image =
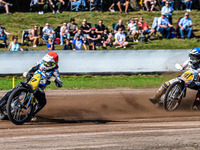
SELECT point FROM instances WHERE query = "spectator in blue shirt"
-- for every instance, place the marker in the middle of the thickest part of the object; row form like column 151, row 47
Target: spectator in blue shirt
column 185, row 25
column 167, row 10
column 50, row 45
column 78, row 43
column 171, row 2
column 164, row 27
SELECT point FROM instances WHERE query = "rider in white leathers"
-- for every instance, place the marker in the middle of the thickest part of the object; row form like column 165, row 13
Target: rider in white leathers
column 192, row 62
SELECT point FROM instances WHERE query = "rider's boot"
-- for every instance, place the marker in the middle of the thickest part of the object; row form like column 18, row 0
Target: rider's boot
column 196, row 102
column 155, row 99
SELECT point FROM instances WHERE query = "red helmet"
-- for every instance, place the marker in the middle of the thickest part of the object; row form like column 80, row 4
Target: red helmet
column 50, row 60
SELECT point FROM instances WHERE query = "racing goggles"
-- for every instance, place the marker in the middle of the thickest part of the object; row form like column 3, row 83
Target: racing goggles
column 49, row 64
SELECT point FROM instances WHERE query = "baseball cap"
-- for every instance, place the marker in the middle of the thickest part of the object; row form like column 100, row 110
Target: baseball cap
column 92, row 29
column 186, row 14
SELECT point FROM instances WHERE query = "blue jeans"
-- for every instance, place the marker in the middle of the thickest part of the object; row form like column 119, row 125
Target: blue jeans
column 77, row 4
column 166, row 32
column 83, row 2
column 147, row 31
column 188, row 30
column 45, row 37
column 64, row 37
column 3, row 38
column 189, row 4
column 171, row 4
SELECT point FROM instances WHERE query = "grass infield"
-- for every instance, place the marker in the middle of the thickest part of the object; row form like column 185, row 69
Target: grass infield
column 100, row 82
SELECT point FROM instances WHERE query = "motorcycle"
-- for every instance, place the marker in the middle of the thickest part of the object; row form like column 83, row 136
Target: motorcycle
column 21, row 102
column 177, row 90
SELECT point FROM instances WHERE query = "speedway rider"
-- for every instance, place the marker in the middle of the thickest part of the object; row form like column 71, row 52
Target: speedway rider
column 49, row 66
column 192, row 62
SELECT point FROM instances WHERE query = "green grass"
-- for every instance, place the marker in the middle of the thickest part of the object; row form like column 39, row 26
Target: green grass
column 17, row 22
column 100, row 82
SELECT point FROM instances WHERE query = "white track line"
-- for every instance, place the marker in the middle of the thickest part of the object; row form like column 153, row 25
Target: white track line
column 98, row 133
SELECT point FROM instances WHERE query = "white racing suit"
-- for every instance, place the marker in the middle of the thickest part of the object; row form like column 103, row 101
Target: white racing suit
column 52, row 75
column 186, row 65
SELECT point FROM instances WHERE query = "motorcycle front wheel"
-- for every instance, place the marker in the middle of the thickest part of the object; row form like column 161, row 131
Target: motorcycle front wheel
column 173, row 96
column 19, row 111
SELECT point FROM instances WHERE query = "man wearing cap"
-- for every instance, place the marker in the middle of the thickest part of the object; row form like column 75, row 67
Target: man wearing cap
column 93, row 38
column 185, row 25
column 73, row 27
column 3, row 34
column 78, row 43
column 164, row 27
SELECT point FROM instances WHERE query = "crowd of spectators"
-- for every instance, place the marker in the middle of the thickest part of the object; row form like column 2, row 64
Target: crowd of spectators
column 76, row 37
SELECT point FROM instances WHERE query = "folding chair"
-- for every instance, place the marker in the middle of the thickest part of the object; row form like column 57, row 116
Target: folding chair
column 92, row 6
column 73, row 7
column 25, row 36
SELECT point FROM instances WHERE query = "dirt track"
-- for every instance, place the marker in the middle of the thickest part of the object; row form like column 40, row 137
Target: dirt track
column 105, row 119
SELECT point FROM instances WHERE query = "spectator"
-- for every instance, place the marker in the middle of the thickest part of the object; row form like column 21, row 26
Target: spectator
column 14, row 45
column 164, row 27
column 78, row 43
column 143, row 26
column 67, row 45
column 119, row 25
column 56, row 4
column 100, row 27
column 124, row 3
column 185, row 25
column 188, row 4
column 3, row 34
column 50, row 45
column 120, row 39
column 85, row 28
column 40, row 4
column 132, row 27
column 76, row 3
column 171, row 2
column 80, row 33
column 34, row 36
column 73, row 27
column 48, row 32
column 64, row 33
column 106, row 37
column 167, row 10
column 93, row 39
column 6, row 6
column 150, row 2
column 118, row 2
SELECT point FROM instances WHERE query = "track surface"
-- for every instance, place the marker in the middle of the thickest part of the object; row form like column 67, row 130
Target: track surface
column 105, row 119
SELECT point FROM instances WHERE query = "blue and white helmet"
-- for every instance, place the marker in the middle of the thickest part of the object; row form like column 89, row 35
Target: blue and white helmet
column 194, row 55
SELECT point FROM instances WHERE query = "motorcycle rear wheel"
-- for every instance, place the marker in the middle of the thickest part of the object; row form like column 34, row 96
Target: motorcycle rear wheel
column 17, row 112
column 173, row 96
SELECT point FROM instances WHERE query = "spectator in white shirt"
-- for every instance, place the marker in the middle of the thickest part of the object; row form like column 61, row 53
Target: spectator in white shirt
column 48, row 32
column 64, row 33
column 132, row 27
column 120, row 39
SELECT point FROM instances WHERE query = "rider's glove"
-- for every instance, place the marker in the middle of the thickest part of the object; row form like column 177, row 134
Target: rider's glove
column 179, row 67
